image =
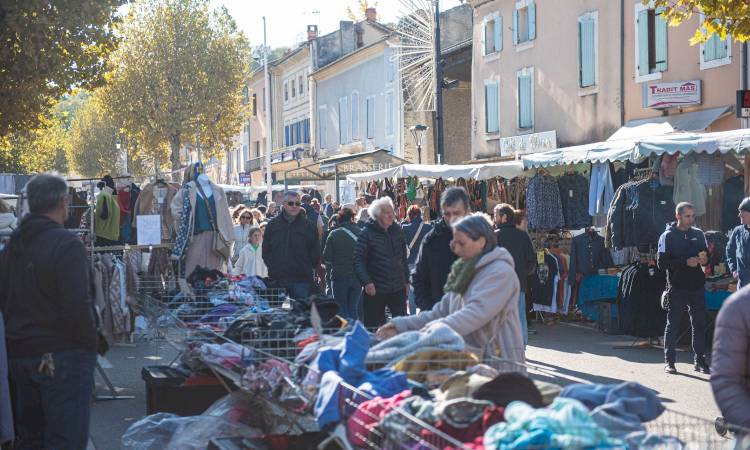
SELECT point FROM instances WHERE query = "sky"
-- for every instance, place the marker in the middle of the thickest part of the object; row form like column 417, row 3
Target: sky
column 287, row 20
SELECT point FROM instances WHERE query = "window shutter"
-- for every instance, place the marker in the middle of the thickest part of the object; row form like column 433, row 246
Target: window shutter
column 721, row 47
column 484, row 38
column 532, row 21
column 389, row 113
column 370, row 117
column 586, row 31
column 642, row 62
column 298, row 138
column 286, row 135
column 515, row 27
column 709, row 48
column 660, row 30
column 524, row 102
column 355, row 116
column 491, row 108
column 498, row 33
column 322, row 127
column 342, row 120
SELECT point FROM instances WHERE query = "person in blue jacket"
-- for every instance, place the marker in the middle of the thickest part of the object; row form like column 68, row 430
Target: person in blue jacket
column 738, row 247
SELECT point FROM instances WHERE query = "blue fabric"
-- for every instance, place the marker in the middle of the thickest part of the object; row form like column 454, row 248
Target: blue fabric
column 601, row 191
column 346, row 363
column 543, row 204
column 348, row 295
column 202, row 220
column 738, row 253
column 298, row 291
column 594, row 288
column 522, row 316
column 714, row 299
column 53, row 411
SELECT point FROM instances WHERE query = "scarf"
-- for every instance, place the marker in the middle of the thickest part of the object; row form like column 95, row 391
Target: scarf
column 183, row 228
column 461, row 274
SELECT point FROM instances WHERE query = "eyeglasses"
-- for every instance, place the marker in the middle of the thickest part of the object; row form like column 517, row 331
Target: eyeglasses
column 245, row 217
column 293, row 204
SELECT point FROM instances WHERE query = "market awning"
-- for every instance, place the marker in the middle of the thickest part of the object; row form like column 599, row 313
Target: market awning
column 607, row 151
column 722, row 142
column 344, row 165
column 697, row 121
column 505, row 169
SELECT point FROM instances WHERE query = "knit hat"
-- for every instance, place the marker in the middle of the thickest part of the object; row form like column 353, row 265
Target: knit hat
column 509, row 387
column 745, row 205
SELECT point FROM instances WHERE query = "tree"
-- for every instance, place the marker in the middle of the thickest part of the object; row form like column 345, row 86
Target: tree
column 47, row 48
column 91, row 144
column 178, row 75
column 361, row 10
column 721, row 17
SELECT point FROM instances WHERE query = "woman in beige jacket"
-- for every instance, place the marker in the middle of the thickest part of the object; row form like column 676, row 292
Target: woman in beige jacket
column 481, row 295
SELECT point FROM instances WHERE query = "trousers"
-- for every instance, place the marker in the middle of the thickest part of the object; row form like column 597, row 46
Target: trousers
column 347, row 293
column 52, row 411
column 522, row 316
column 374, row 307
column 298, row 291
column 695, row 303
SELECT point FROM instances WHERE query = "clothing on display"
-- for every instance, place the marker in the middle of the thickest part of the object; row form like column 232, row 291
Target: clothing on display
column 543, row 204
column 155, row 199
column 639, row 293
column 601, row 190
column 734, row 193
column 588, row 254
column 107, row 222
column 638, row 213
column 686, row 185
column 575, row 200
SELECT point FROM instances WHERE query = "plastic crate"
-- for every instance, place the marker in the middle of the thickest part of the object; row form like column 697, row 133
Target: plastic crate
column 166, row 392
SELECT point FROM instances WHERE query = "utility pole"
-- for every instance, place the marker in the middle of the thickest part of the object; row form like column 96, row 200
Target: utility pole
column 439, row 150
column 267, row 103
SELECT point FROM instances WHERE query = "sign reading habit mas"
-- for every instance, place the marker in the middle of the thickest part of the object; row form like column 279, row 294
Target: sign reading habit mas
column 670, row 95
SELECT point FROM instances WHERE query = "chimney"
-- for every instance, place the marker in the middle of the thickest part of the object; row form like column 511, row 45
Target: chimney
column 371, row 14
column 312, row 32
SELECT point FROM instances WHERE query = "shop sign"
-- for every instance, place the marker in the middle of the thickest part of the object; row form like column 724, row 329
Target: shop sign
column 669, row 95
column 524, row 144
column 245, row 178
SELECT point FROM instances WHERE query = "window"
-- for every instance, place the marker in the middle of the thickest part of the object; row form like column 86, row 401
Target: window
column 255, row 104
column 525, row 86
column 322, row 126
column 343, row 115
column 492, row 37
column 286, row 92
column 650, row 43
column 294, row 87
column 492, row 107
column 715, row 52
column 306, row 131
column 287, row 136
column 355, row 116
column 257, row 149
column 389, row 114
column 301, row 88
column 524, row 22
column 587, row 49
column 370, row 117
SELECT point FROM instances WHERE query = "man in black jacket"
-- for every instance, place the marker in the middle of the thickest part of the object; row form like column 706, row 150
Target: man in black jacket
column 50, row 322
column 518, row 243
column 435, row 255
column 682, row 251
column 291, row 248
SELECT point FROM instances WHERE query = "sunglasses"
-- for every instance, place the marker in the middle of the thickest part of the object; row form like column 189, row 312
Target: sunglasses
column 246, row 217
column 293, row 203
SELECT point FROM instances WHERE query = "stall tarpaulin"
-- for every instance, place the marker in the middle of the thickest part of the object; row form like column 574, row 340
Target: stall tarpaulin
column 737, row 141
column 607, row 151
column 505, row 169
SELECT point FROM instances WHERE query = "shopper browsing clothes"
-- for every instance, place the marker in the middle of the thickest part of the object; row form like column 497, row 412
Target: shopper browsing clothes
column 480, row 302
column 380, row 264
column 49, row 323
column 738, row 247
column 339, row 258
column 681, row 252
column 242, row 232
column 291, row 247
column 435, row 255
column 250, row 262
column 415, row 229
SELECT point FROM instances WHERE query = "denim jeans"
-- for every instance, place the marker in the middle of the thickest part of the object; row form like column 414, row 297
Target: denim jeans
column 52, row 412
column 522, row 316
column 297, row 291
column 695, row 303
column 412, row 303
column 347, row 293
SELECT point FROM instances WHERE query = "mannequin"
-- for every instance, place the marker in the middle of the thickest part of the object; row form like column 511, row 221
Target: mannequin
column 201, row 221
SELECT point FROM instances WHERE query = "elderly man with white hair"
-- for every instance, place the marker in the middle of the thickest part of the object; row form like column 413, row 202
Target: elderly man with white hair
column 380, row 264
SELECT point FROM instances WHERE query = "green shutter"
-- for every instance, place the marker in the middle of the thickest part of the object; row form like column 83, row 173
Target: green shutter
column 515, row 27
column 498, row 33
column 492, row 122
column 642, row 63
column 532, row 21
column 587, row 40
column 660, row 30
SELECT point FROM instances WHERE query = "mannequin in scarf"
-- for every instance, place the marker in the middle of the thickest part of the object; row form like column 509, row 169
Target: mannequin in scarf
column 480, row 301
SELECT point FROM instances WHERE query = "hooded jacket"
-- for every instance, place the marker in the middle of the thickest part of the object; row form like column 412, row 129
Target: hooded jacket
column 730, row 359
column 675, row 247
column 45, row 290
column 486, row 315
column 291, row 250
column 433, row 265
column 380, row 258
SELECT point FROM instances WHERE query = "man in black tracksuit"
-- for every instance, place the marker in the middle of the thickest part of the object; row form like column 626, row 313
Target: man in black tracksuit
column 682, row 251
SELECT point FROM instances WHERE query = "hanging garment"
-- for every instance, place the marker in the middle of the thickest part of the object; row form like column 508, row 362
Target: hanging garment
column 588, row 254
column 546, row 284
column 543, row 204
column 159, row 264
column 710, row 168
column 201, row 252
column 107, row 223
column 601, row 191
column 638, row 214
column 155, row 199
column 686, row 186
column 575, row 202
column 639, row 293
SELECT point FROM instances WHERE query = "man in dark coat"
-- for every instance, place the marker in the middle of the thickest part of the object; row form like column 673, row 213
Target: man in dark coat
column 738, row 247
column 435, row 256
column 518, row 243
column 45, row 297
column 291, row 248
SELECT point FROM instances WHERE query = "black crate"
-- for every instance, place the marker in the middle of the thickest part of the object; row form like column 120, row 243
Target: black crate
column 166, row 392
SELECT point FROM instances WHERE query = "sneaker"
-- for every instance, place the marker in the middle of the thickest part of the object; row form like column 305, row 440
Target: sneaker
column 702, row 366
column 670, row 369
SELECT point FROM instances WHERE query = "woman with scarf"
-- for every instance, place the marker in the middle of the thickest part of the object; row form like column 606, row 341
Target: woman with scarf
column 480, row 301
column 250, row 263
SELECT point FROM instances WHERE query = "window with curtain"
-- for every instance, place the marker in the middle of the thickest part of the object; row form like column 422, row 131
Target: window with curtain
column 389, row 114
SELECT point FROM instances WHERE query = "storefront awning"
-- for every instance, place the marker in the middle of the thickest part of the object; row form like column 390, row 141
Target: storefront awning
column 505, row 169
column 697, row 121
column 607, row 151
column 737, row 141
column 326, row 170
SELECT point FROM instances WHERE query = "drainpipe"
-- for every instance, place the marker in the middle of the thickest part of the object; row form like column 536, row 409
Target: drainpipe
column 622, row 62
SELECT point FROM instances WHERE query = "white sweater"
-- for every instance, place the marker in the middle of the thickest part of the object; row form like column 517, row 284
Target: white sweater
column 250, row 263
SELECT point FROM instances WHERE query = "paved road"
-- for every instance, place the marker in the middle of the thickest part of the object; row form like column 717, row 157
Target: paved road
column 563, row 353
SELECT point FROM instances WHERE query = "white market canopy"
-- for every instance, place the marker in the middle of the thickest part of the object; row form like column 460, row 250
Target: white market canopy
column 262, row 188
column 505, row 169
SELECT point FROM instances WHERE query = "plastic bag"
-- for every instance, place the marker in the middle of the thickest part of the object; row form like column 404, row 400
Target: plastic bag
column 165, row 431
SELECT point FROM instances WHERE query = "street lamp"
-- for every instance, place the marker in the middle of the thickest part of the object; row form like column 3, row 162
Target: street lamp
column 418, row 132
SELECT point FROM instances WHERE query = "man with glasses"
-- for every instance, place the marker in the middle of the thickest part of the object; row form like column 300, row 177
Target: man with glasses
column 291, row 247
column 435, row 255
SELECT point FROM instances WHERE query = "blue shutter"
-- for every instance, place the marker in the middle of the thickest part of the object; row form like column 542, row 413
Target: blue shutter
column 515, row 27
column 498, row 33
column 286, row 135
column 660, row 38
column 298, row 132
column 307, row 131
column 322, row 127
column 721, row 47
column 370, row 117
column 492, row 122
column 532, row 21
column 525, row 119
column 355, row 116
column 642, row 63
column 586, row 30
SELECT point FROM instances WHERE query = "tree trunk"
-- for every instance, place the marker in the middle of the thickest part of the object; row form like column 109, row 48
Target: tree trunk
column 174, row 157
